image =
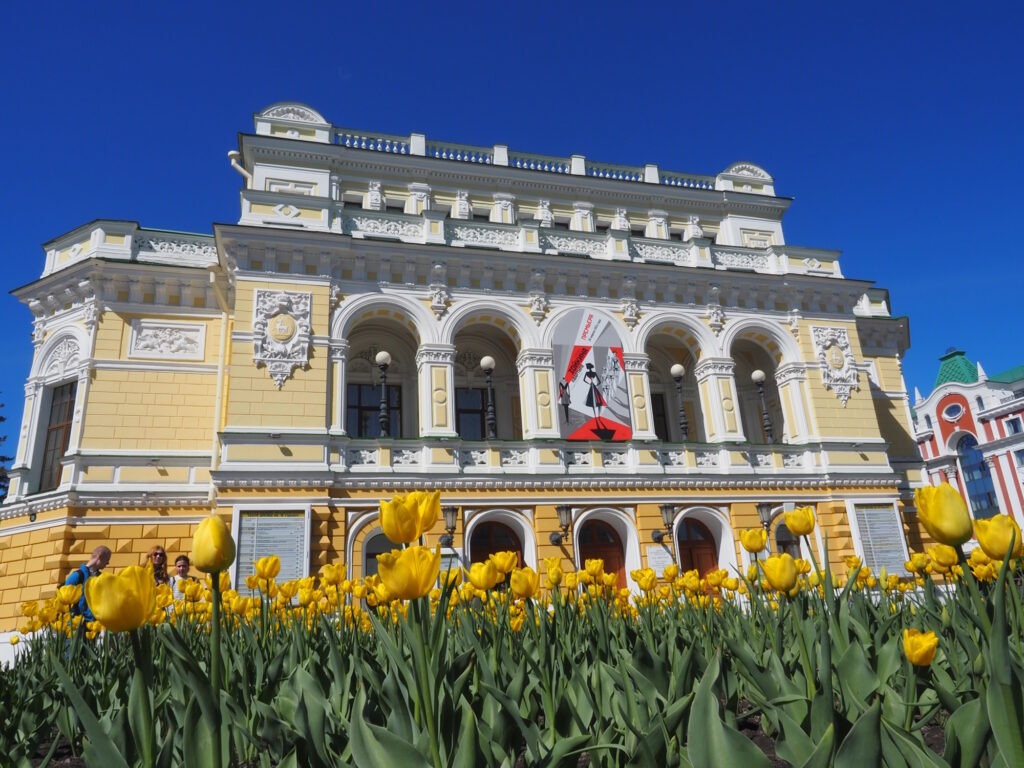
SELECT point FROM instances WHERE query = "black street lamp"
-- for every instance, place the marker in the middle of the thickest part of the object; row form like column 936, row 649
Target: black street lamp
column 564, row 520
column 487, row 363
column 764, row 511
column 450, row 517
column 668, row 513
column 383, row 360
column 677, row 372
column 758, row 378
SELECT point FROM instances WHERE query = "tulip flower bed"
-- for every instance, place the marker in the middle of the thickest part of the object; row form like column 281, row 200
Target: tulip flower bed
column 501, row 666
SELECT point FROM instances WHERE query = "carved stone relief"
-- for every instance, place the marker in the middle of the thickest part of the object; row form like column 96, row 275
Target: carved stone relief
column 281, row 330
column 838, row 368
column 159, row 339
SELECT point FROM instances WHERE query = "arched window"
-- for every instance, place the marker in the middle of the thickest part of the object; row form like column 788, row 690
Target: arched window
column 599, row 541
column 375, row 545
column 785, row 541
column 980, row 489
column 697, row 548
column 491, row 537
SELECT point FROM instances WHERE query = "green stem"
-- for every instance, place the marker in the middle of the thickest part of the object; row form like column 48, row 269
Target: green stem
column 422, row 671
column 972, row 586
column 215, row 664
column 142, row 678
column 909, row 694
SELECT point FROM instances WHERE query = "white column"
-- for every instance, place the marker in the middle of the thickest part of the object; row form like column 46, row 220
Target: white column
column 791, row 379
column 640, row 408
column 717, row 389
column 435, row 369
column 339, row 361
column 538, row 393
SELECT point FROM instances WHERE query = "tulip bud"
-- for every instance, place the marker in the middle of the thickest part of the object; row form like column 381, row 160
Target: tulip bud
column 943, row 513
column 213, row 549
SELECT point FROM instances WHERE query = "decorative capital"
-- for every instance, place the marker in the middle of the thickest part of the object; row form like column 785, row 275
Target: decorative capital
column 714, row 366
column 435, row 353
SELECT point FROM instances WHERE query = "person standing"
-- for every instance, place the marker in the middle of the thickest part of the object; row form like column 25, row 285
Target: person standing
column 158, row 557
column 181, row 576
column 99, row 560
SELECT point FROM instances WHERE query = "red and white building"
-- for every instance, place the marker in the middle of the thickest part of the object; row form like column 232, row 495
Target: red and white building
column 970, row 432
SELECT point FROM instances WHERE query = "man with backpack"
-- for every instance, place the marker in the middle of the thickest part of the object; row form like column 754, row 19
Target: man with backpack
column 98, row 561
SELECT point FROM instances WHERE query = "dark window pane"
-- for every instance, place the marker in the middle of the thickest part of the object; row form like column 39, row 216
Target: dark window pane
column 658, row 412
column 58, row 433
column 980, row 488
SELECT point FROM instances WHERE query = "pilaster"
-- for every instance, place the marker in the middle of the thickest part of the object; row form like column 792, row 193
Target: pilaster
column 435, row 368
column 539, row 395
column 636, row 365
column 717, row 387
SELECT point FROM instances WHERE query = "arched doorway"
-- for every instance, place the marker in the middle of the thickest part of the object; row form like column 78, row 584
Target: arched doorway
column 490, row 537
column 598, row 540
column 697, row 548
column 785, row 541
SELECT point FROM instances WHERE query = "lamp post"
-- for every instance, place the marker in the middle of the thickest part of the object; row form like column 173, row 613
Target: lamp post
column 758, row 378
column 383, row 360
column 764, row 511
column 487, row 363
column 668, row 513
column 677, row 372
column 564, row 521
column 450, row 516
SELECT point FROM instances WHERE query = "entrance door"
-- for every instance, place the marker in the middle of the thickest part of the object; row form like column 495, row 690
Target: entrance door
column 697, row 547
column 491, row 537
column 597, row 539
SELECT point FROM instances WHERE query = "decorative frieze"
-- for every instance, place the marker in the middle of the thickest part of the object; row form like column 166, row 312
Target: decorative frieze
column 585, row 246
column 740, row 260
column 166, row 340
column 281, row 330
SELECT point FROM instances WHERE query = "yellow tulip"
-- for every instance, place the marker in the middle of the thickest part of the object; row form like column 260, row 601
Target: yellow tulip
column 524, row 582
column 268, row 567
column 985, row 571
column 213, row 549
column 571, row 580
column 15, row 639
column 754, row 539
column 917, row 563
column 919, row 647
column 942, row 555
column 609, row 580
column 646, row 579
column 330, row 575
column 852, row 562
column 30, row 608
column 505, row 562
column 409, row 573
column 943, row 513
column 405, row 518
column 69, row 594
column 780, row 570
column 800, row 521
column 994, row 536
column 452, row 576
column 484, row 575
column 124, row 601
column 594, row 568
column 554, row 571
column 670, row 572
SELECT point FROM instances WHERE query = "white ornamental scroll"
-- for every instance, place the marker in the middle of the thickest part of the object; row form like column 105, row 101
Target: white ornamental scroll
column 838, row 368
column 280, row 332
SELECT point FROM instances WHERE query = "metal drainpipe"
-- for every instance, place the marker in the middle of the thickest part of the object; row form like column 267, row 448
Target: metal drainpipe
column 233, row 156
column 215, row 443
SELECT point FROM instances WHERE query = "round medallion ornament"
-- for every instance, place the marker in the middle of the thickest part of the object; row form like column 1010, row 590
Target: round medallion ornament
column 281, row 327
column 836, row 359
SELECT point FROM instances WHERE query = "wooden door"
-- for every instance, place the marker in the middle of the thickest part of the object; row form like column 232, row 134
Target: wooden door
column 697, row 548
column 597, row 539
column 492, row 537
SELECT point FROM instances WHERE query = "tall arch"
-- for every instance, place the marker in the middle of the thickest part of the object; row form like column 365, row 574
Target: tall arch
column 770, row 335
column 717, row 523
column 512, row 321
column 690, row 331
column 520, row 524
column 401, row 309
column 624, row 526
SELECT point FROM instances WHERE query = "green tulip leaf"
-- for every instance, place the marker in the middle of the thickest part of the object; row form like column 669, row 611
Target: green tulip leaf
column 710, row 742
column 100, row 743
column 862, row 746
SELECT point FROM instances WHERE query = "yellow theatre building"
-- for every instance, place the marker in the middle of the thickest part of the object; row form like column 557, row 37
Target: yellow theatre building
column 587, row 359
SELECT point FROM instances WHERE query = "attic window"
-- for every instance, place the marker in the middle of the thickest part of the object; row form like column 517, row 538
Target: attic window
column 952, row 412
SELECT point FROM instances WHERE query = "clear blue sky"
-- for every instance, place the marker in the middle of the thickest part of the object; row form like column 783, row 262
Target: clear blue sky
column 896, row 126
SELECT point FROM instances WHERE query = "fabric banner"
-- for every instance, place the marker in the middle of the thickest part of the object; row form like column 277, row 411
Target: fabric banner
column 593, row 394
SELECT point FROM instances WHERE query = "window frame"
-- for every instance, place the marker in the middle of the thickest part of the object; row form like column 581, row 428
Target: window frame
column 395, row 414
column 48, row 465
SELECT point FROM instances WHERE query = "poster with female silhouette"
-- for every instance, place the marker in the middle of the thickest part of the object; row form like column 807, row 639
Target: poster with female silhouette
column 593, row 394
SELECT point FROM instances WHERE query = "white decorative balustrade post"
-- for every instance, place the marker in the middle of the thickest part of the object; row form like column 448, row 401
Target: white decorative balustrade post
column 435, row 368
column 717, row 388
